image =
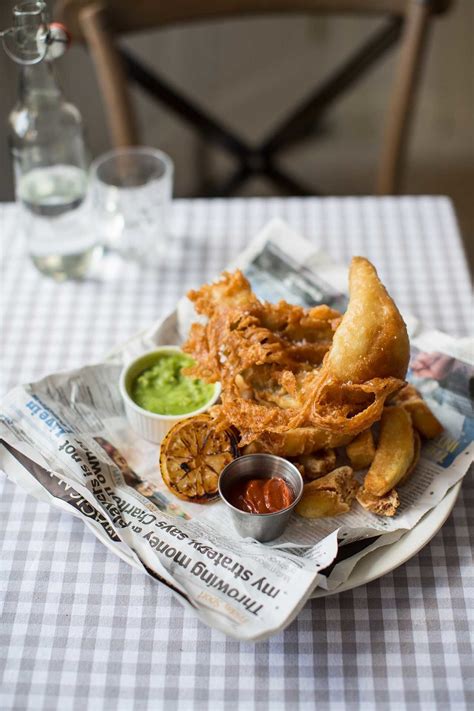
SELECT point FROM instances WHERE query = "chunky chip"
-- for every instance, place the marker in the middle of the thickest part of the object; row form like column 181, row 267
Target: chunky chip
column 423, row 419
column 361, row 450
column 415, row 460
column 394, row 453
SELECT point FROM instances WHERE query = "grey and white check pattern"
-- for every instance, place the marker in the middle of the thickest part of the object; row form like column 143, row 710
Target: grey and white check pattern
column 80, row 629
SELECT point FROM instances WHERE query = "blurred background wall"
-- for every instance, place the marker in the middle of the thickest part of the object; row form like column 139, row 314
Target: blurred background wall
column 250, row 71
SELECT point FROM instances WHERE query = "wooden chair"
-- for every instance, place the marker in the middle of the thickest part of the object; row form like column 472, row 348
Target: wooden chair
column 100, row 22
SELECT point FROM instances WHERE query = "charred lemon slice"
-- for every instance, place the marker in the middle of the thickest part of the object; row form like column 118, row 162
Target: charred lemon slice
column 193, row 455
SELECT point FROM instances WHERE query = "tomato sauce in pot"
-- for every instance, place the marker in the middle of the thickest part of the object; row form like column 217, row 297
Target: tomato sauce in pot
column 261, row 496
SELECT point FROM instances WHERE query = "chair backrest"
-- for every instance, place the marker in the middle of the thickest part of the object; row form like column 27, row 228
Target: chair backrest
column 98, row 22
column 135, row 15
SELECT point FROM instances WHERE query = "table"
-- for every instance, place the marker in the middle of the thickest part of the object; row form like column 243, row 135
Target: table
column 80, row 629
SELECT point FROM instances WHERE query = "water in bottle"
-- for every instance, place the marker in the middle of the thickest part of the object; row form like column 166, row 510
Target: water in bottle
column 49, row 155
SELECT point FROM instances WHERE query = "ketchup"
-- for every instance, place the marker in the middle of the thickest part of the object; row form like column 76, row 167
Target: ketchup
column 261, row 496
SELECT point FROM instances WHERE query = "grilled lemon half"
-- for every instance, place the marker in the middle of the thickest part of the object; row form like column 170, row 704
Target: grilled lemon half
column 192, row 456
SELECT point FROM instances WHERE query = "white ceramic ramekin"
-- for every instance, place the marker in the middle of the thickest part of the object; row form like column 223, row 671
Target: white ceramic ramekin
column 150, row 425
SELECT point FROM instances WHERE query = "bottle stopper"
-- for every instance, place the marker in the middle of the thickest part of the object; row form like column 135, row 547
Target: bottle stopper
column 32, row 37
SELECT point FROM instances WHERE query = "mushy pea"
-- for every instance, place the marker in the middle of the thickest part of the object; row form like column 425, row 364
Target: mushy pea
column 163, row 388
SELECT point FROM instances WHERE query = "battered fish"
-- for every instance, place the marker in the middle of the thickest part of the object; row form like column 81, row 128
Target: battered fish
column 295, row 380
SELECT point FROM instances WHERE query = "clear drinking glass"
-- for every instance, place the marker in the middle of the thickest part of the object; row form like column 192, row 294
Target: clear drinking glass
column 131, row 191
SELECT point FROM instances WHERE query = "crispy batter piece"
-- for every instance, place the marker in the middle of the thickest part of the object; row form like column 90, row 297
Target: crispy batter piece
column 318, row 464
column 361, row 450
column 385, row 505
column 330, row 495
column 422, row 417
column 394, row 454
column 265, row 355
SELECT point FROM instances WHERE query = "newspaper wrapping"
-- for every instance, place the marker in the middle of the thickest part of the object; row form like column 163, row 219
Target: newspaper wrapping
column 66, row 441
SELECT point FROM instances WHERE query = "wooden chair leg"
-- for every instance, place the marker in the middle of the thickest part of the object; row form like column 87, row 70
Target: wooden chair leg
column 111, row 75
column 401, row 102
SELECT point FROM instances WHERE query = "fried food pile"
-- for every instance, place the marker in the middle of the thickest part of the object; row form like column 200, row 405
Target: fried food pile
column 304, row 383
column 284, row 368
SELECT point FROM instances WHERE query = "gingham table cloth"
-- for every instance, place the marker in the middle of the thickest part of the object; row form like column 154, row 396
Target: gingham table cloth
column 82, row 630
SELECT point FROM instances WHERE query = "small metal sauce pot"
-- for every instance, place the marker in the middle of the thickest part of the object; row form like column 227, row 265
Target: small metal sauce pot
column 262, row 527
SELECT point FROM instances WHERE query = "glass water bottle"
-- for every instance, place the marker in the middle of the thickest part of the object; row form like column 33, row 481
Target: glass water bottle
column 49, row 155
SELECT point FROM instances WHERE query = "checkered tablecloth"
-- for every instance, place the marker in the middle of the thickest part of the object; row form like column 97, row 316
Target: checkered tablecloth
column 81, row 630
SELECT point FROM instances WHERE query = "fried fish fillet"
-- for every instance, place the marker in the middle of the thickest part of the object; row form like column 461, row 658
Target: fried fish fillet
column 372, row 341
column 287, row 369
column 297, row 442
column 368, row 359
